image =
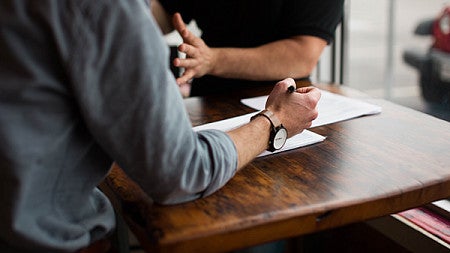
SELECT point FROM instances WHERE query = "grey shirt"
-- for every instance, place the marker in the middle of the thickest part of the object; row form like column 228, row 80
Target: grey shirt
column 84, row 83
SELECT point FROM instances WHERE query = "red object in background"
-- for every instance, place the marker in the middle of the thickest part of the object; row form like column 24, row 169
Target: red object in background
column 433, row 64
column 441, row 31
column 429, row 221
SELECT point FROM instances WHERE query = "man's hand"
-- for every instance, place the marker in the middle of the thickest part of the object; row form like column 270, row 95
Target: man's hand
column 200, row 59
column 296, row 110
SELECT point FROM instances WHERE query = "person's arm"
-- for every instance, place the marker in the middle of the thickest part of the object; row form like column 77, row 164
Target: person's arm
column 295, row 57
column 131, row 107
column 296, row 111
column 255, row 132
column 163, row 19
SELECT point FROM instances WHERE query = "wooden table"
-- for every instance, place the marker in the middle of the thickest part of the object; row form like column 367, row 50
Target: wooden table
column 367, row 167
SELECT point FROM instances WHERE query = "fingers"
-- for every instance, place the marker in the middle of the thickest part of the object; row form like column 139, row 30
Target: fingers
column 185, row 77
column 310, row 98
column 187, row 36
column 189, row 50
column 313, row 91
column 178, row 23
column 310, row 95
column 283, row 85
column 185, row 63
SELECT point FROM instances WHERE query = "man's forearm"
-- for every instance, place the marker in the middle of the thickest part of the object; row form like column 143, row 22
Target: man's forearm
column 163, row 19
column 251, row 140
column 294, row 57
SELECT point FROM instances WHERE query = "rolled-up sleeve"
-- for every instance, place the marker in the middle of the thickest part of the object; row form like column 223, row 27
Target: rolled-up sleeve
column 199, row 170
column 224, row 147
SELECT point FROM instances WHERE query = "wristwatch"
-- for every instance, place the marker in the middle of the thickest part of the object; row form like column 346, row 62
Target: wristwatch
column 278, row 134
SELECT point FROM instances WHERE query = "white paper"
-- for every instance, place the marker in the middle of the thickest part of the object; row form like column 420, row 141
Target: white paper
column 300, row 140
column 443, row 205
column 331, row 107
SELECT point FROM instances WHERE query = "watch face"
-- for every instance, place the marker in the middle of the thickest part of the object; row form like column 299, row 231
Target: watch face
column 280, row 138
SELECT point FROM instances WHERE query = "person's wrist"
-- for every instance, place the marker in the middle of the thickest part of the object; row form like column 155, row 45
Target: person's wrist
column 278, row 133
column 215, row 58
column 264, row 123
column 263, row 126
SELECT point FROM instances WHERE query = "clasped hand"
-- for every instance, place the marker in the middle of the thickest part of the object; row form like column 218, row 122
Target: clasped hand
column 296, row 110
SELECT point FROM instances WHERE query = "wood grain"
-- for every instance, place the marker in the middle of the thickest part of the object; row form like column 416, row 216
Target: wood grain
column 367, row 167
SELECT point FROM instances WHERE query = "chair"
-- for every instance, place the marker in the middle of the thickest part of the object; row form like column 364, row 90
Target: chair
column 332, row 66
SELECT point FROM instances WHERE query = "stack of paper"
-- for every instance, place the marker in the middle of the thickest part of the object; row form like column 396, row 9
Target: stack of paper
column 300, row 140
column 331, row 107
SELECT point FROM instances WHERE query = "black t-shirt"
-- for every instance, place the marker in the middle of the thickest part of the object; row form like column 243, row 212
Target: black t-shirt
column 250, row 23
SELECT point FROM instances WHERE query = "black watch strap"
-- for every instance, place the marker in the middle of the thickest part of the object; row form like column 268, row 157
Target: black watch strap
column 274, row 121
column 275, row 127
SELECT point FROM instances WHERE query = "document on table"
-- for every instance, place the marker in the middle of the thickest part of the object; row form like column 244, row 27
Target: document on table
column 300, row 140
column 332, row 108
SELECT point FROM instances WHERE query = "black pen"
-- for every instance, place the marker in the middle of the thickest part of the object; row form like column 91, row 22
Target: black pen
column 291, row 89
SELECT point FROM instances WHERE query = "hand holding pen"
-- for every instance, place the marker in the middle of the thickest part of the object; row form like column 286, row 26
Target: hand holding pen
column 291, row 89
column 295, row 107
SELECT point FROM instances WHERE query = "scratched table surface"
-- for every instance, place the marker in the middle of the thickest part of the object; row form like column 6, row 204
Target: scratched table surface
column 367, row 167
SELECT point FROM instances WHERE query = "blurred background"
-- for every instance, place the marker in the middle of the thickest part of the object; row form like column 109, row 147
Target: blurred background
column 371, row 43
column 378, row 33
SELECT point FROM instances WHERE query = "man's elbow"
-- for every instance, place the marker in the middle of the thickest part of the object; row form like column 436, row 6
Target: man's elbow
column 303, row 69
column 309, row 67
column 169, row 199
column 306, row 54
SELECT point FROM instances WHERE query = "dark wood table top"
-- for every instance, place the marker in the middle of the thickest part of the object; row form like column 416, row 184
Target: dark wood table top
column 367, row 167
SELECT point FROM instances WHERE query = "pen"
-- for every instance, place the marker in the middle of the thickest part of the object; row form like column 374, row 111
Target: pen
column 291, row 89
